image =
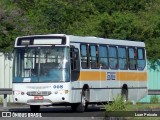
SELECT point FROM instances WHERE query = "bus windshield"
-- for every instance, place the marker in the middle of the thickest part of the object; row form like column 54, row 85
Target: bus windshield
column 41, row 64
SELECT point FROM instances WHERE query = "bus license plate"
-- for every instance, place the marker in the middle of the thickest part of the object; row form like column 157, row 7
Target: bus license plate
column 38, row 97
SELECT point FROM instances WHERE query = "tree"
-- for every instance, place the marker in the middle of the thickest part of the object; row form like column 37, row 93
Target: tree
column 118, row 19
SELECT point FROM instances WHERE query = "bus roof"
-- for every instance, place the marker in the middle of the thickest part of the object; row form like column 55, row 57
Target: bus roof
column 92, row 39
column 97, row 40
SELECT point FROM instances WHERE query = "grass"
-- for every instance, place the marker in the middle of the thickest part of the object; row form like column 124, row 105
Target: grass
column 118, row 107
column 142, row 107
column 154, row 99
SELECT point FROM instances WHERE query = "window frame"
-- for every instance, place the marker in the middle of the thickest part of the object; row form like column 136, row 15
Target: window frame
column 144, row 57
column 96, row 56
column 74, row 60
column 133, row 59
column 87, row 56
column 117, row 62
column 107, row 56
column 125, row 68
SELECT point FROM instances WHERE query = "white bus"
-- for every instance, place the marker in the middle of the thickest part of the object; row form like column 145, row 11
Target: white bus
column 59, row 69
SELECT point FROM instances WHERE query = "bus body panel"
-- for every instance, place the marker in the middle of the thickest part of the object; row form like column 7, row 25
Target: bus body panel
column 109, row 90
column 104, row 84
column 52, row 93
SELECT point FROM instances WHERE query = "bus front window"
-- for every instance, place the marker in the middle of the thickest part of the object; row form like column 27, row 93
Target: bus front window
column 45, row 64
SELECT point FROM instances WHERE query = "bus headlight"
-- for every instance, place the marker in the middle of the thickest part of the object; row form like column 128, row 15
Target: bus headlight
column 61, row 92
column 18, row 92
column 22, row 93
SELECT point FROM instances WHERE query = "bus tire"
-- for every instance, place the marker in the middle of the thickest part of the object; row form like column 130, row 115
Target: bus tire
column 34, row 108
column 82, row 106
column 124, row 95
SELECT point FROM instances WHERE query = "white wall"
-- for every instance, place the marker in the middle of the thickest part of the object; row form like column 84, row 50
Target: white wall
column 6, row 72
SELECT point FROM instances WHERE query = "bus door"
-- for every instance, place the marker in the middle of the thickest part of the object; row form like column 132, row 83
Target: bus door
column 75, row 63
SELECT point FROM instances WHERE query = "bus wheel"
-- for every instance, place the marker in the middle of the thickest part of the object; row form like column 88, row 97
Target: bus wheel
column 124, row 95
column 34, row 108
column 83, row 105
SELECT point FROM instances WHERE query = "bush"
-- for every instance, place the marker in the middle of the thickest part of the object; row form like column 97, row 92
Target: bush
column 154, row 99
column 117, row 105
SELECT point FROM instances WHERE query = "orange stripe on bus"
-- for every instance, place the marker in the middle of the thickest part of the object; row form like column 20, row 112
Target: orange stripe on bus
column 92, row 76
column 120, row 76
column 132, row 76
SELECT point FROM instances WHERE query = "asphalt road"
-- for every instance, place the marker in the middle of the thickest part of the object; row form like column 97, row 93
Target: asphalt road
column 52, row 113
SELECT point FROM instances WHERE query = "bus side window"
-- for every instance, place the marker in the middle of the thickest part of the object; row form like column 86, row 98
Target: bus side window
column 84, row 56
column 113, row 60
column 103, row 57
column 132, row 59
column 122, row 57
column 141, row 62
column 93, row 56
column 74, row 55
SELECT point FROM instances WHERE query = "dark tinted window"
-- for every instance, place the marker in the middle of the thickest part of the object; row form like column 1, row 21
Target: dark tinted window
column 113, row 63
column 122, row 57
column 84, row 56
column 103, row 57
column 93, row 56
column 141, row 62
column 132, row 58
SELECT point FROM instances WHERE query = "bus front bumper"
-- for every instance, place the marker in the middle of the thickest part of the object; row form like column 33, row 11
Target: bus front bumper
column 39, row 102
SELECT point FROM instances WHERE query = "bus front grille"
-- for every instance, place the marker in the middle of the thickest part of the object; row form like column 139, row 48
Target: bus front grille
column 38, row 93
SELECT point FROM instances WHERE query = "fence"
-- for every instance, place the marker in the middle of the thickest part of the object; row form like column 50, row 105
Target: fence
column 6, row 63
